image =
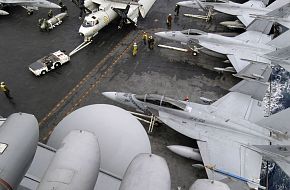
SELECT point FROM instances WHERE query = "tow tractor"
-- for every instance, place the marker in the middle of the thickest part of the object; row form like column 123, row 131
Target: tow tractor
column 48, row 63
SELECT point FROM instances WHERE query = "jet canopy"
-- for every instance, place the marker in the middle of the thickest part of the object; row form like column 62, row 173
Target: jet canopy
column 90, row 21
column 194, row 32
column 161, row 101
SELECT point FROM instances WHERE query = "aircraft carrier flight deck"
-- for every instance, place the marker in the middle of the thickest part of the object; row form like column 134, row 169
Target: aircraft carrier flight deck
column 107, row 64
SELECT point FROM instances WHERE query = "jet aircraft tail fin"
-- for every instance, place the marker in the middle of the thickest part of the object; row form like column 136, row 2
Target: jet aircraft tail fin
column 252, row 88
column 263, row 26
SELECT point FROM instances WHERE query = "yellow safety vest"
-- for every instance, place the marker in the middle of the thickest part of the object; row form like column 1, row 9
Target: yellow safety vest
column 3, row 88
column 145, row 37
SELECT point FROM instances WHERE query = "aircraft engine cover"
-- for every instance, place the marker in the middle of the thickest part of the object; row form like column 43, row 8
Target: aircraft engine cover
column 147, row 172
column 202, row 184
column 75, row 165
column 18, row 141
column 120, row 135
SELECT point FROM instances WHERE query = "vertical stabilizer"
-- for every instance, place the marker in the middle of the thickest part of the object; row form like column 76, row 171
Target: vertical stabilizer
column 263, row 26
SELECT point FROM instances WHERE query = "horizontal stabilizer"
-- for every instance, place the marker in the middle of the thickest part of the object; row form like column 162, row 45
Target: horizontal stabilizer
column 281, row 54
column 278, row 121
column 284, row 166
column 284, row 64
column 256, row 71
column 252, row 88
column 280, row 154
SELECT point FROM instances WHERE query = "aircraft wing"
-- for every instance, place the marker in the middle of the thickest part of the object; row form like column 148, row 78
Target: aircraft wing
column 119, row 4
column 237, row 55
column 231, row 157
column 215, row 148
column 237, row 62
column 32, row 3
column 143, row 5
column 246, row 19
column 256, row 71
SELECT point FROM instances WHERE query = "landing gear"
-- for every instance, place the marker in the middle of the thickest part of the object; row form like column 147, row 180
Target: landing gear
column 195, row 50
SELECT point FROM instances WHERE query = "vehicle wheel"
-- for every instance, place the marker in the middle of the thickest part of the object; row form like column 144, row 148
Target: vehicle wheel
column 43, row 72
column 57, row 65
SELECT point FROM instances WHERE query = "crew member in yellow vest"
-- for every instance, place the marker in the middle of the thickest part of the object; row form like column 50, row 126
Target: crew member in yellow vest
column 145, row 38
column 5, row 89
column 135, row 49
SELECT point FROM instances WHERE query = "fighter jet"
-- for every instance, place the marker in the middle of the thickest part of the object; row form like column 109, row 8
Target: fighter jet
column 241, row 50
column 29, row 5
column 107, row 11
column 242, row 11
column 232, row 133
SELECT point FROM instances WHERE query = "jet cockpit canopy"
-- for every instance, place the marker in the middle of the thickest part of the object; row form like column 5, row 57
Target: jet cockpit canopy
column 194, row 32
column 163, row 101
column 90, row 21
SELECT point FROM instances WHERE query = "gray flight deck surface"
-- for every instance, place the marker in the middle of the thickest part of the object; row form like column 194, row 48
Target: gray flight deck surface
column 107, row 65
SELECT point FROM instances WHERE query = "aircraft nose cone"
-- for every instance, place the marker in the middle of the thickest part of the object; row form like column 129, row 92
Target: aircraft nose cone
column 110, row 95
column 160, row 34
column 55, row 6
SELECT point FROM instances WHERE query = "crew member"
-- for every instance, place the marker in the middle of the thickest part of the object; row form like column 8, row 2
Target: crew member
column 5, row 89
column 63, row 8
column 145, row 38
column 135, row 49
column 82, row 8
column 50, row 14
column 169, row 21
column 151, row 42
column 186, row 98
column 176, row 10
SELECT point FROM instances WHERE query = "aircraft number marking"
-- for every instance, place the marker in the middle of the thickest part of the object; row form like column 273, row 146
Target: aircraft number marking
column 106, row 19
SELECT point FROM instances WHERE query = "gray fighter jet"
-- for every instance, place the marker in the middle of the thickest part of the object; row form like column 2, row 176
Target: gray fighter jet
column 29, row 5
column 241, row 50
column 242, row 11
column 232, row 133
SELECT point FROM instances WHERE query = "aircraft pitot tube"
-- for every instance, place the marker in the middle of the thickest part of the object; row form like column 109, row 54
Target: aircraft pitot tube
column 18, row 141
